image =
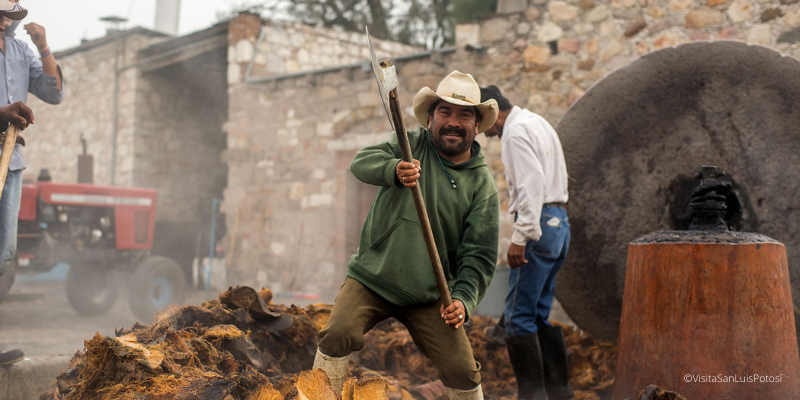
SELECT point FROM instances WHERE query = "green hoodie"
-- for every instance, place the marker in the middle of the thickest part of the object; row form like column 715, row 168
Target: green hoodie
column 392, row 259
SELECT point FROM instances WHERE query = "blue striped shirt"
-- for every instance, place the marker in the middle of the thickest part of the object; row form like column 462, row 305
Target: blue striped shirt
column 22, row 72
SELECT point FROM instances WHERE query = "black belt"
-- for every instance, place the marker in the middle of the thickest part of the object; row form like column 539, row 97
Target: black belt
column 562, row 206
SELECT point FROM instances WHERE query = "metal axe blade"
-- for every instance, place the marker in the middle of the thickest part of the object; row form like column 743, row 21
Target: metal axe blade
column 386, row 78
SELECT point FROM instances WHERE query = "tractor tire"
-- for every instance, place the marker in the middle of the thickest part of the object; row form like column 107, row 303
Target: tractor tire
column 157, row 283
column 91, row 291
column 7, row 279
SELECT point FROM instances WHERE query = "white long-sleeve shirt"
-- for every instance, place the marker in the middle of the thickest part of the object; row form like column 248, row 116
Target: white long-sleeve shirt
column 536, row 172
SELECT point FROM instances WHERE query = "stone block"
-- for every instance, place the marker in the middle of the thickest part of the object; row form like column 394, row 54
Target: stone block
column 561, row 11
column 324, row 128
column 659, row 26
column 634, row 27
column 655, row 11
column 511, row 6
column 770, row 14
column 598, row 13
column 792, row 18
column 549, row 32
column 523, row 28
column 760, row 34
column 583, row 28
column 467, row 34
column 702, row 18
column 586, row 4
column 586, row 64
column 712, row 3
column 699, row 35
column 592, row 45
column 536, row 55
column 627, row 14
column 575, row 95
column 668, row 40
column 728, row 32
column 532, row 14
column 611, row 50
column 740, row 10
column 642, row 47
column 569, row 45
column 792, row 36
column 495, row 30
column 608, row 29
column 678, row 5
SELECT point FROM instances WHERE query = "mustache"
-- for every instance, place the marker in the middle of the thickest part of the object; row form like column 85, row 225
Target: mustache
column 453, row 129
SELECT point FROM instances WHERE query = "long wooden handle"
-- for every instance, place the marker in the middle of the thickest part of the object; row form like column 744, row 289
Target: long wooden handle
column 8, row 150
column 419, row 203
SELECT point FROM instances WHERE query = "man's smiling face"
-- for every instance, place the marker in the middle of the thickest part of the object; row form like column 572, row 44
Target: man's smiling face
column 453, row 128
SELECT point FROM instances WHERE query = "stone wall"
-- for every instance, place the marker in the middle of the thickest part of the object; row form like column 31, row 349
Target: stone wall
column 293, row 210
column 289, row 48
column 87, row 111
column 291, row 140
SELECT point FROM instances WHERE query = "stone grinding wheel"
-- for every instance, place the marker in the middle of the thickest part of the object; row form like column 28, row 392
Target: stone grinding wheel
column 635, row 139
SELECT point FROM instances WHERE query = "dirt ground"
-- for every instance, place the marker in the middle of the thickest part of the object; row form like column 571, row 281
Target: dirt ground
column 37, row 318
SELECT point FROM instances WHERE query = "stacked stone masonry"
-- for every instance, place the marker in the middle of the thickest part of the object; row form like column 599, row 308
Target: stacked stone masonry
column 293, row 176
column 291, row 206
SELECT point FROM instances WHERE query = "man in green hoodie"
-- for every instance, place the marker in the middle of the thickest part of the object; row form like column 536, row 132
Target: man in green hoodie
column 391, row 274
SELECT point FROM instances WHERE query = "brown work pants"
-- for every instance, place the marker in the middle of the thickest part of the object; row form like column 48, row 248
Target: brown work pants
column 358, row 309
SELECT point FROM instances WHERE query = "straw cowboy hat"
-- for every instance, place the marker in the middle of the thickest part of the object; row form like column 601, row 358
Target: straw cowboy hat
column 460, row 89
column 11, row 10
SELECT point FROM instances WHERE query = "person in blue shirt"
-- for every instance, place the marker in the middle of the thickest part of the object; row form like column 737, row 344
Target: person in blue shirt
column 23, row 72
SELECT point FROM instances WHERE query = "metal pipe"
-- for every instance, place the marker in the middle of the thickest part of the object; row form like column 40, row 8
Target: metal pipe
column 115, row 129
column 214, row 205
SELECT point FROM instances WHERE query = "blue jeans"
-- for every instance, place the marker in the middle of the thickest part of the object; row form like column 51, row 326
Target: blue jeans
column 9, row 214
column 532, row 286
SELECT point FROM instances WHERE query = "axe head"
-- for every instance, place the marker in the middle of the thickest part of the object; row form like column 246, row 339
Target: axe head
column 386, row 78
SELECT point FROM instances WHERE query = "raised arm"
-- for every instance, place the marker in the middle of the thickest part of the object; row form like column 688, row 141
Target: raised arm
column 45, row 76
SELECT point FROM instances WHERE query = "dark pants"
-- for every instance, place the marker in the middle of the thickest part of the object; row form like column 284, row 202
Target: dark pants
column 358, row 309
column 531, row 287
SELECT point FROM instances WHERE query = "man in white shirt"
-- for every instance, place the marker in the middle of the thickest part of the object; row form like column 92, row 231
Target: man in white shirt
column 536, row 175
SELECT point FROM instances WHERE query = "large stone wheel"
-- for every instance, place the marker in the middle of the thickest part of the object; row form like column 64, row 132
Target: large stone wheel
column 634, row 140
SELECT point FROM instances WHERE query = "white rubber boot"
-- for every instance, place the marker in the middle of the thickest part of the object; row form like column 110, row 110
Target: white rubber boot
column 335, row 367
column 472, row 394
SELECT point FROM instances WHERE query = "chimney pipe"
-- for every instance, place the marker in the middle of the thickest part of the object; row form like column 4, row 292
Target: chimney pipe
column 85, row 165
column 167, row 16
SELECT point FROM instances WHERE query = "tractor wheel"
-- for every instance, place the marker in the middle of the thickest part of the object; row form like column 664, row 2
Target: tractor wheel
column 157, row 283
column 7, row 279
column 91, row 291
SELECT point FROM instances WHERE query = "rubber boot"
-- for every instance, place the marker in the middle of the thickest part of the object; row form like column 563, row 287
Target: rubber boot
column 335, row 367
column 472, row 394
column 556, row 366
column 11, row 356
column 526, row 359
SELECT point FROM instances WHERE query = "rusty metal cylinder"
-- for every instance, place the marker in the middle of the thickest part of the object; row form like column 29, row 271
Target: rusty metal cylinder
column 708, row 315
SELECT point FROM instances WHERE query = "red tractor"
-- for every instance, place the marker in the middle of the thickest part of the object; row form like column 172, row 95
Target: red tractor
column 99, row 231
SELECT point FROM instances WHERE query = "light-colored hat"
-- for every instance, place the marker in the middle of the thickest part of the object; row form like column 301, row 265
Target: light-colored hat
column 460, row 89
column 12, row 10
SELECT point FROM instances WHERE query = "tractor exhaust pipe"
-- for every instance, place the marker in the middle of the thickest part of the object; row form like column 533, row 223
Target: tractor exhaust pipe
column 85, row 165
